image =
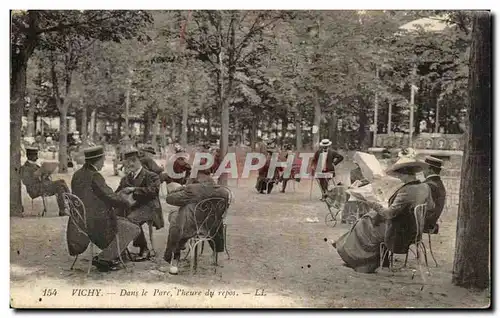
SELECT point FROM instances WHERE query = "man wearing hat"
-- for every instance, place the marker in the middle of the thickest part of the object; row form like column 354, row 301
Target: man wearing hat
column 144, row 187
column 263, row 182
column 180, row 165
column 182, row 222
column 103, row 224
column 438, row 192
column 38, row 184
column 333, row 158
column 147, row 161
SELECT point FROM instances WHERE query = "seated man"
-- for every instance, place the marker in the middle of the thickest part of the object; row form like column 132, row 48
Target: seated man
column 263, row 182
column 103, row 225
column 38, row 184
column 182, row 225
column 144, row 186
column 438, row 192
column 180, row 165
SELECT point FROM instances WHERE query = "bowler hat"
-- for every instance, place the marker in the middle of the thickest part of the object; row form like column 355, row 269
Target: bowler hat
column 31, row 150
column 93, row 152
column 434, row 162
column 149, row 149
column 131, row 153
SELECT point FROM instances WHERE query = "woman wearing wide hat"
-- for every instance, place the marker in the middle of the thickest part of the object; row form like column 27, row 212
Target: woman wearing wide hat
column 394, row 225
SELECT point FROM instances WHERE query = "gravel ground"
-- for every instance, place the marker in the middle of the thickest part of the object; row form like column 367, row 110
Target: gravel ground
column 272, row 248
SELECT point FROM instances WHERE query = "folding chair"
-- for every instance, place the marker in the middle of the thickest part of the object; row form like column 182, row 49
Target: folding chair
column 208, row 217
column 78, row 215
column 335, row 202
column 33, row 203
column 419, row 215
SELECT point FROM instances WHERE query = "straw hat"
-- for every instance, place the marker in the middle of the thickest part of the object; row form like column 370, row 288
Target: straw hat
column 325, row 143
column 407, row 163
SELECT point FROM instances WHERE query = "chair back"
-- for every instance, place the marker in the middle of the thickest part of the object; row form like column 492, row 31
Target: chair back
column 209, row 215
column 419, row 214
column 230, row 194
column 77, row 212
column 336, row 197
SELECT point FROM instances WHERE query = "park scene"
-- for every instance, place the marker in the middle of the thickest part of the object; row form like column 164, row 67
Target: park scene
column 250, row 159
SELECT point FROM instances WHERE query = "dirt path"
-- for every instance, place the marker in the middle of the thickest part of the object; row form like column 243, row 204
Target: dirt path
column 271, row 248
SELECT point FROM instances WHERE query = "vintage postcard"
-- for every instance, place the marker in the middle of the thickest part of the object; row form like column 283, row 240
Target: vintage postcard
column 213, row 159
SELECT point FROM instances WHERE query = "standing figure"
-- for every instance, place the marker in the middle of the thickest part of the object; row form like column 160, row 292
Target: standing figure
column 333, row 158
column 438, row 192
column 37, row 183
column 297, row 162
column 111, row 233
column 144, row 187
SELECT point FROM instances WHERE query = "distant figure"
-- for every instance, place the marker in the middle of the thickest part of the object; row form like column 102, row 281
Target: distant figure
column 38, row 184
column 264, row 183
column 333, row 158
column 297, row 162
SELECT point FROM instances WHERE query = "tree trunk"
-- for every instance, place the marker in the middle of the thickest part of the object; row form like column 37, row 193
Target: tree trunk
column 209, row 125
column 184, row 123
column 363, row 123
column 63, row 140
column 298, row 130
column 472, row 250
column 17, row 91
column 317, row 121
column 30, row 132
column 334, row 127
column 253, row 133
column 119, row 130
column 84, row 131
column 173, row 128
column 147, row 126
column 92, row 127
column 154, row 141
column 284, row 127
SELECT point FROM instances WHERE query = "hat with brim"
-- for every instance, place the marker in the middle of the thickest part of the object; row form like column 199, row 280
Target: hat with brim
column 149, row 149
column 172, row 186
column 31, row 150
column 325, row 143
column 131, row 153
column 406, row 163
column 434, row 162
column 93, row 152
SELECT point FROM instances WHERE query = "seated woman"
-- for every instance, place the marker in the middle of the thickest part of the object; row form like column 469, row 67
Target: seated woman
column 395, row 225
column 355, row 207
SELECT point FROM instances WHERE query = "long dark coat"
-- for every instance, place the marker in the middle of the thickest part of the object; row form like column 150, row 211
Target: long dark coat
column 438, row 193
column 182, row 226
column 333, row 158
column 146, row 195
column 34, row 185
column 99, row 201
column 151, row 165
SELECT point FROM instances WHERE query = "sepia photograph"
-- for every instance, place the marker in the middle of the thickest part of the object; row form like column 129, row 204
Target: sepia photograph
column 333, row 159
